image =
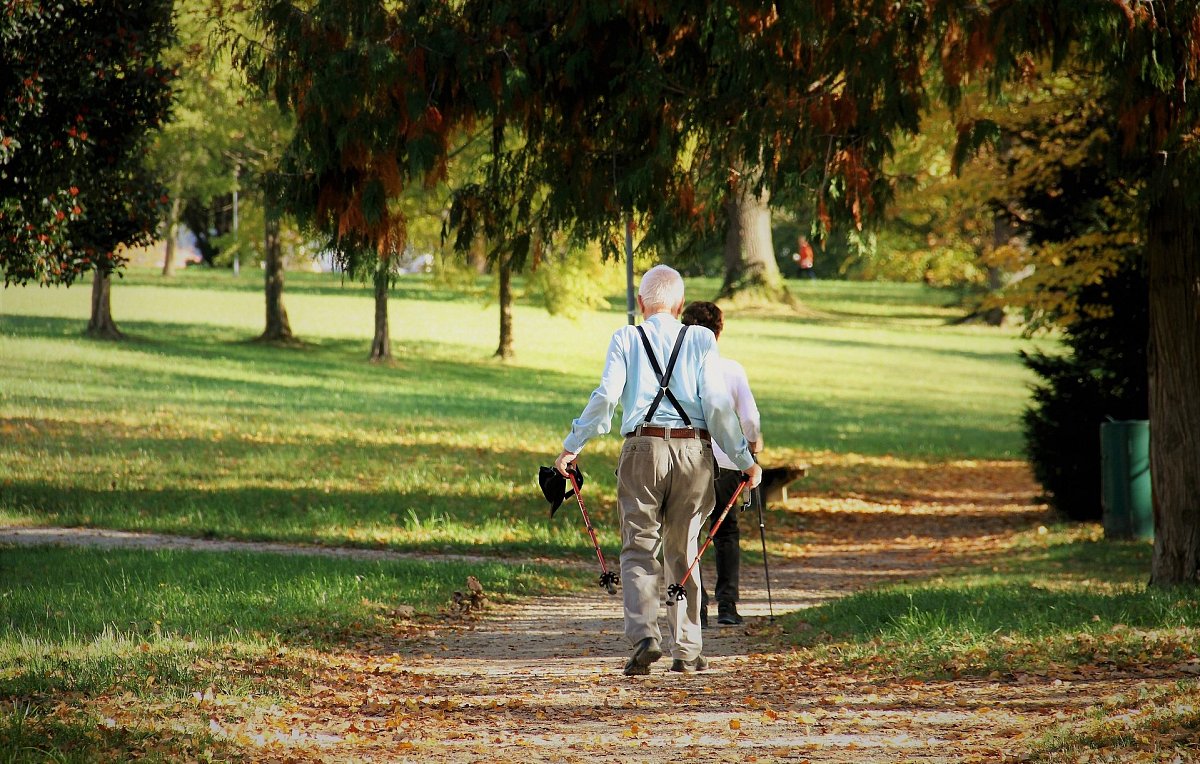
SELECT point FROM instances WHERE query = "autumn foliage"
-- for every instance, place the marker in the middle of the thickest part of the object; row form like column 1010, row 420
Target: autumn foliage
column 376, row 95
column 606, row 109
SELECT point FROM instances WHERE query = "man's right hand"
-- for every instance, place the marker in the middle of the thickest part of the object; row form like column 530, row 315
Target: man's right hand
column 565, row 460
column 755, row 475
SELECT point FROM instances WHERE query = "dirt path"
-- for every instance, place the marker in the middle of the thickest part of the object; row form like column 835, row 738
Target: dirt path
column 101, row 538
column 541, row 681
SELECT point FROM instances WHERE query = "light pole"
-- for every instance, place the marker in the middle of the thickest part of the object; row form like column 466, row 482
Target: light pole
column 237, row 249
column 629, row 270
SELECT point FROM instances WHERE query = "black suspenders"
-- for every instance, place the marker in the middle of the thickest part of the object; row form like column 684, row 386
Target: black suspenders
column 664, row 378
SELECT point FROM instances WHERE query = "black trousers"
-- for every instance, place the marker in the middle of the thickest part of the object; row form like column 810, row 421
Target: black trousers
column 726, row 540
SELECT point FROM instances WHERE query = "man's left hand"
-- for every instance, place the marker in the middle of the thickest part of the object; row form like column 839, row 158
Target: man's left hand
column 564, row 460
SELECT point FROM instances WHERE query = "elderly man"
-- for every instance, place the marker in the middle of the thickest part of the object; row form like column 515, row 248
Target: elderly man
column 668, row 381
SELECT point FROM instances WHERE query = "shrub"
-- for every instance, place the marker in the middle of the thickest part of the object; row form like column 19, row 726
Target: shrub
column 1101, row 377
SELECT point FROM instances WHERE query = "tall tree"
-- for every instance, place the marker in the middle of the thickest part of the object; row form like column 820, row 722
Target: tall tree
column 644, row 109
column 818, row 90
column 376, row 90
column 225, row 138
column 81, row 86
column 190, row 153
column 1148, row 56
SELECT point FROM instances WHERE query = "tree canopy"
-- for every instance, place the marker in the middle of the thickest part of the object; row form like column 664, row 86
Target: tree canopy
column 657, row 108
column 620, row 109
column 81, row 85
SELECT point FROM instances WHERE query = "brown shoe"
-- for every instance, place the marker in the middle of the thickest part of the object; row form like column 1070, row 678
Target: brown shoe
column 699, row 663
column 646, row 652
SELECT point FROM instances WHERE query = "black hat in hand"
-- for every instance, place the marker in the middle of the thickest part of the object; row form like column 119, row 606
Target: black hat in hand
column 554, row 485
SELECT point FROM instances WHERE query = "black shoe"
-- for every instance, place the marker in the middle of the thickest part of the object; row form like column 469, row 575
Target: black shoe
column 699, row 663
column 704, row 618
column 727, row 614
column 646, row 652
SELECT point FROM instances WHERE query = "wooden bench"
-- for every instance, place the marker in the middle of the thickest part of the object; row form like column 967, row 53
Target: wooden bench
column 776, row 480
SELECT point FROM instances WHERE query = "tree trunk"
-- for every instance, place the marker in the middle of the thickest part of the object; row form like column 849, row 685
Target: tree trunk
column 169, row 255
column 505, row 349
column 1003, row 233
column 101, row 325
column 477, row 256
column 381, row 345
column 173, row 226
column 278, row 329
column 750, row 267
column 994, row 316
column 1173, row 249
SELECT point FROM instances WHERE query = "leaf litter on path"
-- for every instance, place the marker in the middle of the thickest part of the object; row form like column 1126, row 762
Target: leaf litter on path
column 541, row 680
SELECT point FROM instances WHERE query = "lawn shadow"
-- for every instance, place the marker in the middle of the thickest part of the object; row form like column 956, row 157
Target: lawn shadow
column 452, row 387
column 422, row 520
column 220, row 367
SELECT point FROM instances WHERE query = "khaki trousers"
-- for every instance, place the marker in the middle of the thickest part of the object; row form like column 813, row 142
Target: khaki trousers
column 664, row 491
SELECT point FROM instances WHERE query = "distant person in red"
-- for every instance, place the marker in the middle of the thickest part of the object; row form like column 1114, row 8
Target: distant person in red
column 803, row 258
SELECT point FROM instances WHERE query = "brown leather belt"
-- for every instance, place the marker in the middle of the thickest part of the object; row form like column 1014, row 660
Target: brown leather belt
column 667, row 432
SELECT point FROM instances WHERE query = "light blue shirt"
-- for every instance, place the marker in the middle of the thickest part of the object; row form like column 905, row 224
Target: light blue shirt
column 697, row 382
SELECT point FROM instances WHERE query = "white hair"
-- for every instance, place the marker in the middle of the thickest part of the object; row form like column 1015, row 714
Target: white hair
column 661, row 287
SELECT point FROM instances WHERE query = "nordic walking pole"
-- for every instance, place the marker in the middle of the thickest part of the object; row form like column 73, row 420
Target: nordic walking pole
column 608, row 578
column 675, row 592
column 762, row 533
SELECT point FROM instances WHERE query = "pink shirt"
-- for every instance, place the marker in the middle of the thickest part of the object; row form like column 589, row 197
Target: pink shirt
column 743, row 404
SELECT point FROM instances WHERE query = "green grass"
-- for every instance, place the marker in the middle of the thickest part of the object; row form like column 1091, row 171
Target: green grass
column 81, row 620
column 29, row 738
column 156, row 629
column 1056, row 602
column 190, row 428
column 55, row 593
column 1158, row 725
column 1062, row 604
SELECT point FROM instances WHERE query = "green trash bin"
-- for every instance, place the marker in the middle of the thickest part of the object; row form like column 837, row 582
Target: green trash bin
column 1125, row 480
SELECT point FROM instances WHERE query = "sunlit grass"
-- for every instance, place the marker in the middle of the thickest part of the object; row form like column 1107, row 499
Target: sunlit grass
column 85, row 620
column 1143, row 725
column 1054, row 604
column 190, row 428
column 62, row 593
column 1052, row 601
column 144, row 631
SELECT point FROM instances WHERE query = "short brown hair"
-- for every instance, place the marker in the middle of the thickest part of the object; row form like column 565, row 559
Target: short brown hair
column 704, row 314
